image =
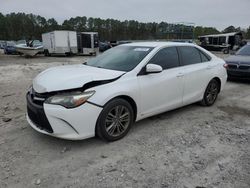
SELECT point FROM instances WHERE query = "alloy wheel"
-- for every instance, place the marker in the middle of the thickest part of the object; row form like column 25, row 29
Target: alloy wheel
column 117, row 120
column 212, row 92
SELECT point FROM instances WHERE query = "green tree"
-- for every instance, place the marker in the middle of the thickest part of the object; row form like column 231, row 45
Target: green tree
column 3, row 27
column 248, row 33
column 199, row 31
column 229, row 29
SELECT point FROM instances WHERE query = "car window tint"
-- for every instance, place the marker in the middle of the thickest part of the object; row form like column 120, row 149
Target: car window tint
column 204, row 58
column 166, row 58
column 190, row 55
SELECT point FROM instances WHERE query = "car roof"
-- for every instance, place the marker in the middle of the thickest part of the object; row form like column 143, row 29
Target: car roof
column 158, row 44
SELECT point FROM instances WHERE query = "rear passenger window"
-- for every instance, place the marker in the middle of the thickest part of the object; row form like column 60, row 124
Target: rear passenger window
column 190, row 55
column 167, row 58
column 203, row 57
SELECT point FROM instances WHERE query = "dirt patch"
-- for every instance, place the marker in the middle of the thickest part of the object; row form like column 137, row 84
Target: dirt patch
column 235, row 110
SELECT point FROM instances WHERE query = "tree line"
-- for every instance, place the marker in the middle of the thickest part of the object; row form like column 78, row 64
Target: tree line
column 16, row 26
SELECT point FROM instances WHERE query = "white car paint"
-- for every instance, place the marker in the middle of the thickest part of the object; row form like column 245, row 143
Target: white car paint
column 165, row 94
column 70, row 76
column 81, row 119
column 152, row 93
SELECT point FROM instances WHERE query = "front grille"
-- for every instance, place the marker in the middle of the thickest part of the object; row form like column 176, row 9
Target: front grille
column 232, row 66
column 36, row 113
column 239, row 66
column 32, row 116
column 244, row 67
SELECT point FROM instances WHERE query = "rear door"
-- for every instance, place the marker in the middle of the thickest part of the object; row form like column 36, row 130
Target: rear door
column 197, row 70
column 162, row 91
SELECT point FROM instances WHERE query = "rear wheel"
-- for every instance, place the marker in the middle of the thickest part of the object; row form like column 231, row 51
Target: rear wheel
column 46, row 53
column 211, row 93
column 115, row 120
column 225, row 50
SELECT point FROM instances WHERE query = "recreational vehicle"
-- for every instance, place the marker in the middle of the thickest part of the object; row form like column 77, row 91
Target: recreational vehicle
column 88, row 43
column 222, row 42
column 60, row 42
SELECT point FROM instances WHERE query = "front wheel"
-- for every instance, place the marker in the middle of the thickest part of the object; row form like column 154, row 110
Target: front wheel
column 211, row 93
column 115, row 120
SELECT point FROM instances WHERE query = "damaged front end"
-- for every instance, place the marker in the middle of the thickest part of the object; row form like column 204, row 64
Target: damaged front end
column 70, row 98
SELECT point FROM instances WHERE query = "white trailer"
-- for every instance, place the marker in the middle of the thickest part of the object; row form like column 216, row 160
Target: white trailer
column 88, row 43
column 60, row 42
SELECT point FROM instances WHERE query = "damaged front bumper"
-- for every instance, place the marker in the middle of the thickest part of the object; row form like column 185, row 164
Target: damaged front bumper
column 54, row 120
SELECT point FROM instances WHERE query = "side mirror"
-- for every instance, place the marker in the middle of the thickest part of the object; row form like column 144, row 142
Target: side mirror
column 153, row 68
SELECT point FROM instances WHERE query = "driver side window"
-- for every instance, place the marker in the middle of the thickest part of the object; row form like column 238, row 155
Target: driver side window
column 167, row 58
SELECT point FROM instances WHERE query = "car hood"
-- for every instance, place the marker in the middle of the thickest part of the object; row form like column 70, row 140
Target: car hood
column 71, row 77
column 238, row 59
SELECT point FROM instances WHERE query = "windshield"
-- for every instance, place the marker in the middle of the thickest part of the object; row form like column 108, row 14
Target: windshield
column 36, row 43
column 245, row 50
column 21, row 42
column 121, row 58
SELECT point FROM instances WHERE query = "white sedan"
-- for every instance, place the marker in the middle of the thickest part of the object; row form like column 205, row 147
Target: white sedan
column 107, row 94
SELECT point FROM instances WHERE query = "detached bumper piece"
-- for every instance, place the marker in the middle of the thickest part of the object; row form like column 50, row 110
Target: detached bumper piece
column 36, row 113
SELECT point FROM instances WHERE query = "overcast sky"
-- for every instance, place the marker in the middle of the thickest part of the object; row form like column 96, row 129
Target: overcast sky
column 216, row 13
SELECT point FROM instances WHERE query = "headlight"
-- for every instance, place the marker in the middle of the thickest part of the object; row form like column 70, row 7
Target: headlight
column 70, row 100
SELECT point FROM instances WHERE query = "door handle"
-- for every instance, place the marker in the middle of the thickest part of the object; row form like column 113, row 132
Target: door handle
column 180, row 75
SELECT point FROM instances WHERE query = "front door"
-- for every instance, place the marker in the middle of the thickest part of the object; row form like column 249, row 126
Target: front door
column 162, row 91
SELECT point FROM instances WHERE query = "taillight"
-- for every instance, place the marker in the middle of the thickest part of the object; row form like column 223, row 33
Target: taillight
column 225, row 65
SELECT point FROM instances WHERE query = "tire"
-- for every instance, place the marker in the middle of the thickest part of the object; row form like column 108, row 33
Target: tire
column 225, row 51
column 211, row 93
column 110, row 126
column 68, row 54
column 46, row 53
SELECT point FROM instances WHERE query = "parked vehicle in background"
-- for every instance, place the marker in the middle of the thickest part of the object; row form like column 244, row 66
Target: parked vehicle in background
column 30, row 49
column 21, row 42
column 2, row 44
column 113, row 43
column 184, row 40
column 238, row 65
column 59, row 42
column 103, row 46
column 122, row 85
column 38, row 43
column 88, row 43
column 35, row 43
column 10, row 48
column 123, row 42
column 222, row 42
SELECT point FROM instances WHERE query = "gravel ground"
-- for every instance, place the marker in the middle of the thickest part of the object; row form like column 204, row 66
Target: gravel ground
column 190, row 147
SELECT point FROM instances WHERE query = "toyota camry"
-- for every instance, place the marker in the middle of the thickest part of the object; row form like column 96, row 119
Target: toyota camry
column 125, row 84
